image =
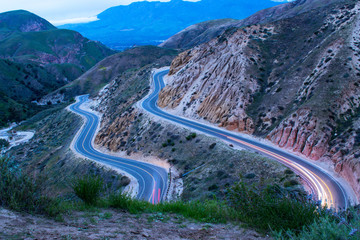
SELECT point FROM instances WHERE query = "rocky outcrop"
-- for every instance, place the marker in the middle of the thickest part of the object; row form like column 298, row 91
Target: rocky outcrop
column 300, row 134
column 216, row 81
column 298, row 89
column 115, row 136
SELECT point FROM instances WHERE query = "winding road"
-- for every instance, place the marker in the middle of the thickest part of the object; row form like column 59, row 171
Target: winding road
column 152, row 180
column 323, row 186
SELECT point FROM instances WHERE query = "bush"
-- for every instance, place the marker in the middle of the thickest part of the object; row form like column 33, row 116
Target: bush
column 332, row 226
column 20, row 193
column 191, row 136
column 4, row 143
column 291, row 183
column 88, row 188
column 212, row 146
column 270, row 209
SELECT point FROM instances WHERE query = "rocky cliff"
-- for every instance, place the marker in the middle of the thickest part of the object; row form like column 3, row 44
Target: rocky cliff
column 294, row 81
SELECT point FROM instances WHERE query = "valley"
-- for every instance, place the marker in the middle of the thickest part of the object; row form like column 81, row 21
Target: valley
column 229, row 128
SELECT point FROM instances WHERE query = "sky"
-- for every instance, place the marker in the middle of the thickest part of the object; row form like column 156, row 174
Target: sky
column 60, row 12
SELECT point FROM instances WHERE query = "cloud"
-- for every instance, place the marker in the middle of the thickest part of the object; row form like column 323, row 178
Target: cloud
column 74, row 20
column 65, row 11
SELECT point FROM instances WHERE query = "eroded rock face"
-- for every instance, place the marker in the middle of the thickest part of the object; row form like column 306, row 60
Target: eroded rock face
column 299, row 133
column 216, row 81
column 298, row 89
column 116, row 134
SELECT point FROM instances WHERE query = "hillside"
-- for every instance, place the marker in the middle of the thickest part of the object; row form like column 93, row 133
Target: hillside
column 111, row 68
column 205, row 31
column 22, row 21
column 143, row 23
column 36, row 58
column 302, row 96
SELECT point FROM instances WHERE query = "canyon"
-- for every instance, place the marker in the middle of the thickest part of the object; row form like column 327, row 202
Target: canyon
column 293, row 81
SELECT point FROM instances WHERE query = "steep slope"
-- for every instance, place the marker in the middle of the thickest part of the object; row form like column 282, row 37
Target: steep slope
column 22, row 21
column 36, row 58
column 205, row 31
column 143, row 23
column 127, row 131
column 294, row 81
column 111, row 68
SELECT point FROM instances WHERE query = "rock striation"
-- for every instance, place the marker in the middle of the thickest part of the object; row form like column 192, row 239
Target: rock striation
column 293, row 80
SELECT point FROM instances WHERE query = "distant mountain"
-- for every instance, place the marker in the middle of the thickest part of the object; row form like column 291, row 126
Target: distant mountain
column 23, row 21
column 205, row 31
column 36, row 58
column 144, row 22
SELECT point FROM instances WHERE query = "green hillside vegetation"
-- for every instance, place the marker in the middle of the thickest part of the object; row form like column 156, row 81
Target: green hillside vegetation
column 37, row 58
column 268, row 210
column 56, row 44
column 113, row 66
column 21, row 21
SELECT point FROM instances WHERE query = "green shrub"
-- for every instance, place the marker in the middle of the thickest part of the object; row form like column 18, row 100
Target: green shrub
column 191, row 136
column 291, row 183
column 20, row 193
column 271, row 209
column 345, row 225
column 4, row 143
column 88, row 188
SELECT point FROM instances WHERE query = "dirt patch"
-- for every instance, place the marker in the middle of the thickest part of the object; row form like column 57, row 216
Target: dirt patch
column 110, row 224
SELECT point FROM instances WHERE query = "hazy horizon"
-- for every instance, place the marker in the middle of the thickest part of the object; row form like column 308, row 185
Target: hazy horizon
column 60, row 12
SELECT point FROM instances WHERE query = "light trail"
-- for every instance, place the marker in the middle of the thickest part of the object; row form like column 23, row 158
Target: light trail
column 322, row 185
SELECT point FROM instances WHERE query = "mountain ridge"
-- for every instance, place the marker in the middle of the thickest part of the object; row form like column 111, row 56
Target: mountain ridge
column 23, row 21
column 202, row 32
column 143, row 23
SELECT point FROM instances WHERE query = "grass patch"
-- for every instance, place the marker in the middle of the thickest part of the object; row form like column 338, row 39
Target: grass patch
column 205, row 211
column 265, row 209
column 20, row 193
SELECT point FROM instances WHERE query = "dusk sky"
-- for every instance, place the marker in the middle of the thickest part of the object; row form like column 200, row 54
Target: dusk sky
column 65, row 11
column 69, row 11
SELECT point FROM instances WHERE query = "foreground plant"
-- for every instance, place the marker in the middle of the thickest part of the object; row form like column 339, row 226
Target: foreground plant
column 272, row 209
column 20, row 193
column 344, row 225
column 88, row 188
